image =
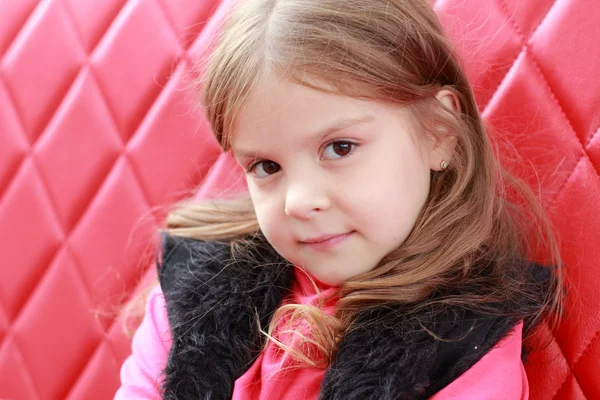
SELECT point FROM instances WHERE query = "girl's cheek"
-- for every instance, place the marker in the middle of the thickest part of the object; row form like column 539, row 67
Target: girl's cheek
column 268, row 216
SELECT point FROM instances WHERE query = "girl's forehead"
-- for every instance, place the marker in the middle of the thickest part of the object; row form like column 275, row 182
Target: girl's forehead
column 282, row 101
column 306, row 114
column 290, row 107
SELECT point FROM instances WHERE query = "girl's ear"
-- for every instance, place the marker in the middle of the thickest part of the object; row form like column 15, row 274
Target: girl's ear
column 449, row 99
column 443, row 144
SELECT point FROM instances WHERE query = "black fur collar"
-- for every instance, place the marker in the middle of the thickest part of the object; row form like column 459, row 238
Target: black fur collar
column 214, row 301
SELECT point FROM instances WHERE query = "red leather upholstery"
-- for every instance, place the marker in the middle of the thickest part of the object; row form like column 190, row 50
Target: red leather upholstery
column 98, row 131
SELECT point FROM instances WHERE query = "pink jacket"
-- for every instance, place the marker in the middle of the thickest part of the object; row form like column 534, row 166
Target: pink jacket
column 498, row 375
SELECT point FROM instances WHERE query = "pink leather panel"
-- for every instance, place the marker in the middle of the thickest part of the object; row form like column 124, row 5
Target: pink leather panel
column 99, row 131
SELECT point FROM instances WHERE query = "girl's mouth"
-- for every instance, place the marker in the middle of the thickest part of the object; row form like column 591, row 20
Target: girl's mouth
column 326, row 242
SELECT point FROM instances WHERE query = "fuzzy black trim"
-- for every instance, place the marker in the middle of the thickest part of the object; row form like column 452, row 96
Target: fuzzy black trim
column 389, row 356
column 217, row 303
column 214, row 305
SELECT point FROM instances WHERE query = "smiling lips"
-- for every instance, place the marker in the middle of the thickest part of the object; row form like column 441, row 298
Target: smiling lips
column 326, row 242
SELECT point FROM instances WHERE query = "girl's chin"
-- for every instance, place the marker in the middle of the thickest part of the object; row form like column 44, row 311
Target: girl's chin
column 329, row 280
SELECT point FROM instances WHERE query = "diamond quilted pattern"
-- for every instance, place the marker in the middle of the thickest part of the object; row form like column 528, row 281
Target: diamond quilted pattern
column 188, row 21
column 524, row 120
column 581, row 323
column 27, row 248
column 102, row 241
column 59, row 299
column 154, row 154
column 558, row 47
column 153, row 56
column 14, row 143
column 484, row 34
column 593, row 150
column 13, row 15
column 3, row 324
column 104, row 365
column 83, row 140
column 48, row 32
column 92, row 18
column 587, row 362
column 99, row 131
column 203, row 43
column 547, row 369
column 527, row 15
column 14, row 378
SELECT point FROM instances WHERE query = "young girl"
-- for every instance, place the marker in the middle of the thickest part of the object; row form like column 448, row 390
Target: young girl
column 381, row 252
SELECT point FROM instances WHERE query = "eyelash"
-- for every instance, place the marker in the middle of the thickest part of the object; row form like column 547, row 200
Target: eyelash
column 251, row 169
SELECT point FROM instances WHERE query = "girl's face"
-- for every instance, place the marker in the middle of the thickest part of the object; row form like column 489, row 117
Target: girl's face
column 337, row 183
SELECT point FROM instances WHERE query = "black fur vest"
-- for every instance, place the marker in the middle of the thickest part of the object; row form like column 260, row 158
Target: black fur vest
column 214, row 300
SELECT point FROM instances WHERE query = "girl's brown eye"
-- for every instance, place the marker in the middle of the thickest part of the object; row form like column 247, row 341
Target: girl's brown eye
column 338, row 149
column 342, row 148
column 263, row 169
column 270, row 167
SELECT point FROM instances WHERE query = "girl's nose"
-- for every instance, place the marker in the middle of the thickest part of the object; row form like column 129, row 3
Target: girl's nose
column 303, row 201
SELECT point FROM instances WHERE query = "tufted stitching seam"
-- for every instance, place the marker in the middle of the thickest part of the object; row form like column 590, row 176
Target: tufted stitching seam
column 89, row 360
column 62, row 96
column 77, row 268
column 53, row 206
column 83, row 283
column 98, row 346
column 541, row 75
column 11, row 179
column 586, row 348
column 11, row 98
column 103, row 93
column 87, row 208
column 57, row 221
column 73, row 255
column 519, row 32
column 516, row 27
column 18, row 32
column 52, row 113
column 27, row 373
column 101, row 35
column 37, row 284
column 112, row 117
column 563, row 354
column 5, row 340
column 20, row 118
column 495, row 92
column 114, row 122
column 553, row 339
column 45, row 184
column 179, row 39
column 592, row 136
column 87, row 67
column 104, row 336
column 552, row 199
column 584, row 155
column 167, row 16
column 562, row 111
column 136, row 175
column 528, row 51
column 140, row 186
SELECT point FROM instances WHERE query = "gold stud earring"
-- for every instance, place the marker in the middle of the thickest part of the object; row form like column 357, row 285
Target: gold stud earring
column 444, row 164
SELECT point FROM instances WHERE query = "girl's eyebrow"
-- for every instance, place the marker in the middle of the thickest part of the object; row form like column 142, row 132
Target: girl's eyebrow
column 321, row 134
column 341, row 125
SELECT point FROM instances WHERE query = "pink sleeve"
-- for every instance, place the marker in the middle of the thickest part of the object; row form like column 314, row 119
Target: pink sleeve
column 140, row 373
column 499, row 375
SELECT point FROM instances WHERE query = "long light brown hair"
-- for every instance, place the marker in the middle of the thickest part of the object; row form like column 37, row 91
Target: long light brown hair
column 477, row 218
